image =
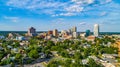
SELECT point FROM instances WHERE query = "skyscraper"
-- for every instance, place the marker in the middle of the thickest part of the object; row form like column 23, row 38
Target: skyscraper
column 87, row 33
column 32, row 31
column 55, row 32
column 96, row 30
column 74, row 29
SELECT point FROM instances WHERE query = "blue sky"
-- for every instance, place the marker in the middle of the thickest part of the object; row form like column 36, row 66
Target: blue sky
column 19, row 15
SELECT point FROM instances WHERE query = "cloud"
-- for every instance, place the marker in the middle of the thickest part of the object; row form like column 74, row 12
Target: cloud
column 65, row 14
column 13, row 19
column 83, row 1
column 108, row 23
column 55, row 7
column 74, row 8
column 108, row 1
column 6, row 17
column 82, row 23
column 105, row 1
column 103, row 13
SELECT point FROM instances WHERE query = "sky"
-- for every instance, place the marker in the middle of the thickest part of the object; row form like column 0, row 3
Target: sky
column 44, row 15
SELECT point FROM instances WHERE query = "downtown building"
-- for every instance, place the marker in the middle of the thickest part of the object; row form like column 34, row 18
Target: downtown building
column 32, row 32
column 96, row 30
column 55, row 32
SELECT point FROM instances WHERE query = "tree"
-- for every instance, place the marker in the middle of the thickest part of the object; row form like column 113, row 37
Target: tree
column 5, row 62
column 78, row 63
column 86, row 53
column 48, row 53
column 1, row 56
column 78, row 55
column 54, row 63
column 50, row 43
column 18, row 56
column 74, row 46
column 64, row 53
column 16, row 44
column 92, row 63
column 33, row 54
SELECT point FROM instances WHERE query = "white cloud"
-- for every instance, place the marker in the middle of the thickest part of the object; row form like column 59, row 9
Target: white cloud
column 83, row 1
column 18, row 3
column 54, row 7
column 74, row 8
column 6, row 17
column 90, row 1
column 13, row 19
column 105, row 1
column 82, row 23
column 71, row 10
column 103, row 13
column 65, row 14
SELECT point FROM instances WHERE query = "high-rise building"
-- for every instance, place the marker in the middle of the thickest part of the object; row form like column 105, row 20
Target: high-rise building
column 55, row 32
column 74, row 29
column 96, row 30
column 87, row 33
column 75, row 34
column 32, row 31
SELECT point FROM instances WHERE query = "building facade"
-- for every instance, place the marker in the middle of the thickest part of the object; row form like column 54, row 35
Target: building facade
column 32, row 32
column 87, row 33
column 55, row 32
column 74, row 29
column 96, row 30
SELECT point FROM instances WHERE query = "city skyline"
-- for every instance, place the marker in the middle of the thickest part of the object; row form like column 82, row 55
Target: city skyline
column 44, row 15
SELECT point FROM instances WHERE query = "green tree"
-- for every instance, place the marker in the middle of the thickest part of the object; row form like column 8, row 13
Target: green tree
column 67, row 62
column 48, row 53
column 50, row 43
column 18, row 56
column 78, row 55
column 1, row 56
column 92, row 63
column 5, row 62
column 64, row 53
column 33, row 54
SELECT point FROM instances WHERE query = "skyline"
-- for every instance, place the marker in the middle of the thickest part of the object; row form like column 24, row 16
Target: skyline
column 48, row 15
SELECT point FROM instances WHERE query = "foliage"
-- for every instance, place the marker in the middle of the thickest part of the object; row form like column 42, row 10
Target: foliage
column 92, row 63
column 33, row 54
column 18, row 56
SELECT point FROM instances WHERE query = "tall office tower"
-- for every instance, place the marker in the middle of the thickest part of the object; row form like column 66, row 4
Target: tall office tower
column 32, row 31
column 87, row 33
column 96, row 30
column 74, row 29
column 55, row 32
